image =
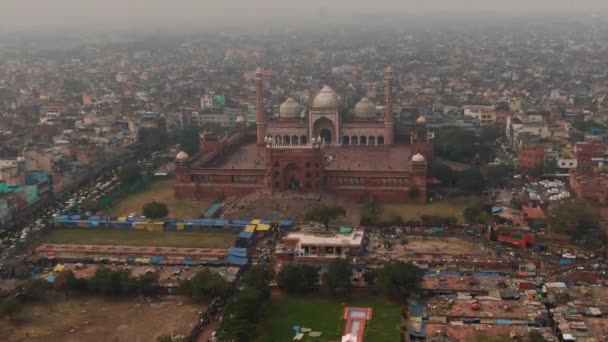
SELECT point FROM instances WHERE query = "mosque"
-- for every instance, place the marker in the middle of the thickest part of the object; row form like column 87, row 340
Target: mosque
column 313, row 150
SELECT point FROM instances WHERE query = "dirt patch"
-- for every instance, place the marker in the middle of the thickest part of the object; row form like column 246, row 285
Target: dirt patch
column 292, row 205
column 97, row 319
column 448, row 246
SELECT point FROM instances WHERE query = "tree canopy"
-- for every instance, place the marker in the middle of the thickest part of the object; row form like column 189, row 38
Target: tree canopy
column 338, row 275
column 489, row 134
column 10, row 307
column 325, row 214
column 155, row 210
column 189, row 140
column 398, row 280
column 497, row 175
column 204, row 286
column 579, row 219
column 471, row 181
column 297, row 278
column 370, row 212
column 130, row 172
column 461, row 145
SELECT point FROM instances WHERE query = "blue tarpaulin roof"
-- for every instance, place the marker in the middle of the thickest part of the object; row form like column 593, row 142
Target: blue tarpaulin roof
column 212, row 210
column 234, row 260
column 75, row 217
column 241, row 222
column 245, row 235
column 496, row 210
column 238, row 252
column 94, row 218
column 157, row 259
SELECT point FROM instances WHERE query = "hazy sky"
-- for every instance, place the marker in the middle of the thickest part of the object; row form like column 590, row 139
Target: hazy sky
column 120, row 14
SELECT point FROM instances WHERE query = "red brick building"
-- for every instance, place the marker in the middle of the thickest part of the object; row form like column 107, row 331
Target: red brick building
column 586, row 152
column 318, row 151
column 588, row 185
column 530, row 156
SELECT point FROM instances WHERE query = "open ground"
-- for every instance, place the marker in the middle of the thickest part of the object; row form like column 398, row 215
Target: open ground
column 89, row 236
column 106, row 320
column 324, row 314
column 413, row 211
column 159, row 191
column 446, row 246
column 291, row 205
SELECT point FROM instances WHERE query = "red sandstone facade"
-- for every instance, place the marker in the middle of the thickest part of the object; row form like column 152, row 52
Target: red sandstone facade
column 312, row 151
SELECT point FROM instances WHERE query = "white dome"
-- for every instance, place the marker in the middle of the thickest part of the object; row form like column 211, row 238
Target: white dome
column 365, row 109
column 326, row 98
column 240, row 119
column 421, row 119
column 418, row 158
column 289, row 109
column 182, row 155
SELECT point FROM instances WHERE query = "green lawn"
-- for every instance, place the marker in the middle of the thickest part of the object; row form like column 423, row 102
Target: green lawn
column 324, row 314
column 412, row 211
column 86, row 236
column 159, row 191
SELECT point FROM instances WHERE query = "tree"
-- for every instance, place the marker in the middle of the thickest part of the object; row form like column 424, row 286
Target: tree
column 370, row 211
column 155, row 210
column 455, row 144
column 297, row 278
column 579, row 219
column 235, row 330
column 171, row 338
column 370, row 277
column 398, row 280
column 66, row 281
column 9, row 307
column 324, row 214
column 130, row 172
column 471, row 181
column 112, row 282
column 498, row 175
column 413, row 192
column 535, row 336
column 490, row 133
column 443, row 173
column 152, row 138
column 204, row 286
column 258, row 277
column 189, row 140
column 403, row 242
column 36, row 290
column 146, row 283
column 338, row 275
column 246, row 305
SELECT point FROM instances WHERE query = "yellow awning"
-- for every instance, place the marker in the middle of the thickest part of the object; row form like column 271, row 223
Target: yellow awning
column 263, row 227
column 58, row 268
column 122, row 218
column 256, row 221
column 250, row 228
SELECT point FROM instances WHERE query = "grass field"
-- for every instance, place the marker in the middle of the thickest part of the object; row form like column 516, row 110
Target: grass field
column 159, row 191
column 324, row 314
column 84, row 236
column 411, row 211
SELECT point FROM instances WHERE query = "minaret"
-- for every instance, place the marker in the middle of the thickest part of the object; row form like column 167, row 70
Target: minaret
column 389, row 117
column 260, row 120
